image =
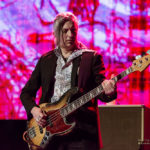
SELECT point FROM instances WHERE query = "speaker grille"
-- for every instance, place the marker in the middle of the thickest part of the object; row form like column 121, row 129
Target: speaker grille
column 123, row 126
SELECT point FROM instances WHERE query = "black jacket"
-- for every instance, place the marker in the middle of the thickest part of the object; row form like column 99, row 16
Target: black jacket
column 87, row 72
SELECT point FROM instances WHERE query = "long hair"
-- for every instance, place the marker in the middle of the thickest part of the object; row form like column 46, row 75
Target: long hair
column 59, row 21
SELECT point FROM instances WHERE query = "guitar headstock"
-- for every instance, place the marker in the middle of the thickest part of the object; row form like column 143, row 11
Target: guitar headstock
column 141, row 63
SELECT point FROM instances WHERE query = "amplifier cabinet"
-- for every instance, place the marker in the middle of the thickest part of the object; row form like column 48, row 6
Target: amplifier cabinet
column 125, row 127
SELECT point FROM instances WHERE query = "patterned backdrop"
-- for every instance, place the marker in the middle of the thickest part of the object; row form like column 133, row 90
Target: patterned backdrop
column 118, row 29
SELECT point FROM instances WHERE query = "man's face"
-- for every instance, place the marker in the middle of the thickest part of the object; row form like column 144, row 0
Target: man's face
column 68, row 36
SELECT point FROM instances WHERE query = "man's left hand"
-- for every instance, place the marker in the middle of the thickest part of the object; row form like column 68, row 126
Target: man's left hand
column 109, row 86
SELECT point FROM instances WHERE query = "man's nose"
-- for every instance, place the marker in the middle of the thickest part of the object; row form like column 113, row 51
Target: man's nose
column 69, row 33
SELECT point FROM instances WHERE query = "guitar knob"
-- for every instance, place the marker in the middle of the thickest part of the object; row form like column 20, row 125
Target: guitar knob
column 138, row 56
column 148, row 52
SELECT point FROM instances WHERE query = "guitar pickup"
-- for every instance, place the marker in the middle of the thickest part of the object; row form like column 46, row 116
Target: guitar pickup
column 31, row 133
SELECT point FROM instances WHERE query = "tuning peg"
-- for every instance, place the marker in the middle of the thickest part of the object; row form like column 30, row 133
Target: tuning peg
column 148, row 52
column 138, row 56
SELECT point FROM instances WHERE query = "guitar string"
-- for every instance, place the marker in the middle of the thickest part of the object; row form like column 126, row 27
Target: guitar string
column 51, row 119
column 86, row 97
column 36, row 127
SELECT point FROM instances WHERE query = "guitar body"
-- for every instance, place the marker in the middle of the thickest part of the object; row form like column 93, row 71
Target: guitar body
column 39, row 137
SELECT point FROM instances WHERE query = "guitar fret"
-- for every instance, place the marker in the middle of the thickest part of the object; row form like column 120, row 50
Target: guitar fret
column 73, row 106
column 91, row 95
column 80, row 102
column 84, row 98
column 75, row 103
column 98, row 90
column 122, row 74
column 68, row 110
column 63, row 112
column 94, row 92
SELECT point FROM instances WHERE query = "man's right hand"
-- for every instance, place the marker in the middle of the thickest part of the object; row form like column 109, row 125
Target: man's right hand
column 39, row 115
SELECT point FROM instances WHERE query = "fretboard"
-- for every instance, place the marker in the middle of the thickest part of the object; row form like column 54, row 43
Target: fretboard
column 71, row 107
column 122, row 74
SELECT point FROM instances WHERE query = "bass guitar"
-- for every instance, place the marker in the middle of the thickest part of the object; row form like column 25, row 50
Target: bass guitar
column 56, row 122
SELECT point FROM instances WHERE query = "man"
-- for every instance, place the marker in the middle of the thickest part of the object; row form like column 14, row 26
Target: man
column 67, row 66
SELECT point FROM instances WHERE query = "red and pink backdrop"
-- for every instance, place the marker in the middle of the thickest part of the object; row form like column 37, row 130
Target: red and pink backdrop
column 118, row 29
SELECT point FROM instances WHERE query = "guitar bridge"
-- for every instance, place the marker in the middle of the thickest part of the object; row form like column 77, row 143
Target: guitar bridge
column 49, row 121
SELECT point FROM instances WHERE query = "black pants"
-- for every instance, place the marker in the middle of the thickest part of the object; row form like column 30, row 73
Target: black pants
column 71, row 144
column 74, row 141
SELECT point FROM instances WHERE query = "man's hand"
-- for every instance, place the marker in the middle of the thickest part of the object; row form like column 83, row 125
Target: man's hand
column 109, row 86
column 39, row 115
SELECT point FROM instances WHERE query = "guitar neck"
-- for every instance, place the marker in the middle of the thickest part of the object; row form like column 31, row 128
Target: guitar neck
column 122, row 74
column 71, row 107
